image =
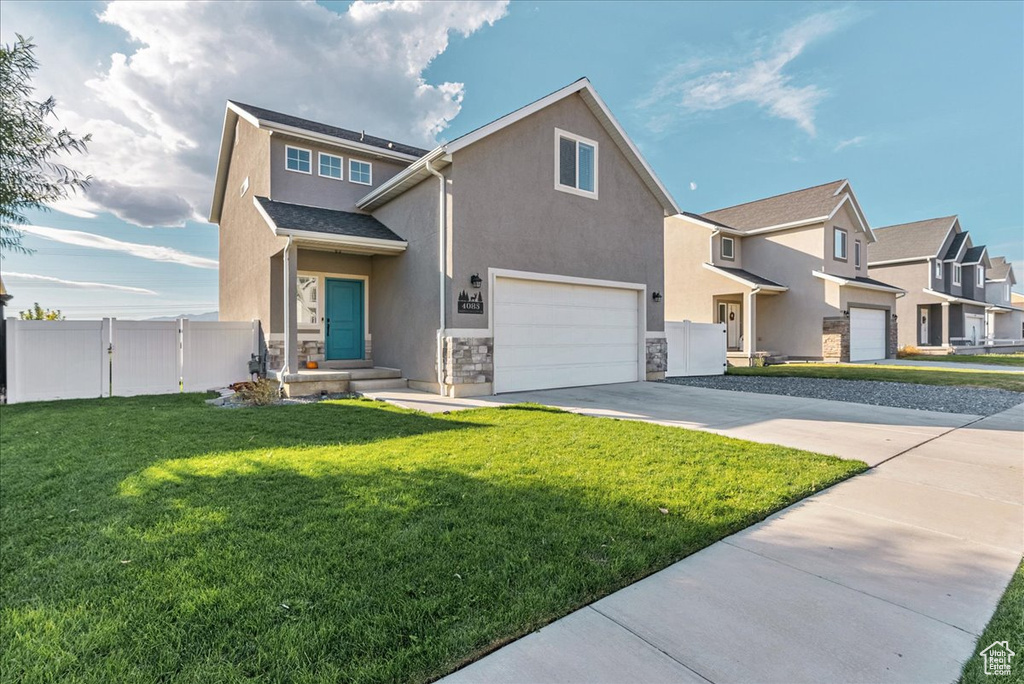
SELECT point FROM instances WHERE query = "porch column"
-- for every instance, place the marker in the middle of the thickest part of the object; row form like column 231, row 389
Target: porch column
column 945, row 324
column 749, row 326
column 290, row 314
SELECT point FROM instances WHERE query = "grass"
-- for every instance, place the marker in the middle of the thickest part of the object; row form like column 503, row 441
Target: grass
column 985, row 359
column 922, row 375
column 1007, row 624
column 159, row 539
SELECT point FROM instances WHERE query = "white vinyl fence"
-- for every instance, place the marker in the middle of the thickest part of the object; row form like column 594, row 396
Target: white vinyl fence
column 695, row 348
column 87, row 359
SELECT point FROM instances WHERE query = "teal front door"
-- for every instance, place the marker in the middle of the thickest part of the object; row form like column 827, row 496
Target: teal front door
column 343, row 319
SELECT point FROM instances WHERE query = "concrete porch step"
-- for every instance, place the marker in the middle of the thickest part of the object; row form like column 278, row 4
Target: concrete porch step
column 346, row 364
column 375, row 373
column 378, row 384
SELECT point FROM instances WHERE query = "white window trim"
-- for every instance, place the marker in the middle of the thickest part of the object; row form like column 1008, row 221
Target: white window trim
column 938, row 270
column 979, row 279
column 359, row 161
column 1006, row 291
column 856, row 253
column 559, row 133
column 956, row 274
column 300, row 149
column 845, row 242
column 244, row 188
column 732, row 248
column 320, row 156
column 321, row 301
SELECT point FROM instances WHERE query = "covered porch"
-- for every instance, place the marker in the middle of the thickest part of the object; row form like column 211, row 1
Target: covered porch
column 737, row 310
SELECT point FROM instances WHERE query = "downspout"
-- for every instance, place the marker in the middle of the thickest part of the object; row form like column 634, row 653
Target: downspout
column 285, row 312
column 441, row 264
column 711, row 247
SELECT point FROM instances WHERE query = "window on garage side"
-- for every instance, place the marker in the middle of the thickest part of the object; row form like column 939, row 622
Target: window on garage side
column 575, row 164
column 728, row 248
column 360, row 172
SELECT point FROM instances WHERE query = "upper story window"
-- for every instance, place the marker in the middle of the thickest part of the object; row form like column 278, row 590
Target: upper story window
column 839, row 244
column 956, row 274
column 575, row 164
column 728, row 248
column 980, row 278
column 330, row 166
column 1006, row 291
column 360, row 172
column 938, row 270
column 298, row 159
column 856, row 254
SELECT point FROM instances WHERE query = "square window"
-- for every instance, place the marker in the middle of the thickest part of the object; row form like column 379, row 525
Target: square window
column 330, row 166
column 307, row 306
column 839, row 243
column 728, row 248
column 298, row 160
column 360, row 172
column 576, row 160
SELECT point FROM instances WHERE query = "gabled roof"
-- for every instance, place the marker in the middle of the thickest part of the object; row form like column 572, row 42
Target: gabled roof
column 960, row 241
column 359, row 231
column 300, row 128
column 861, row 282
column 440, row 157
column 789, row 210
column 911, row 241
column 975, row 255
column 1000, row 269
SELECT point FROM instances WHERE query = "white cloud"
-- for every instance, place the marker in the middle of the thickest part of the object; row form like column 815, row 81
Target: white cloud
column 693, row 185
column 757, row 77
column 83, row 284
column 855, row 141
column 152, row 252
column 155, row 109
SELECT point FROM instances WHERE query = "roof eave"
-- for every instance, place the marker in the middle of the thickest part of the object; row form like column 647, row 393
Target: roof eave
column 749, row 283
column 227, row 137
column 852, row 282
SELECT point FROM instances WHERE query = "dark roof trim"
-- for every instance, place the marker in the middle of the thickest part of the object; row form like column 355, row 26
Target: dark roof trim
column 329, row 225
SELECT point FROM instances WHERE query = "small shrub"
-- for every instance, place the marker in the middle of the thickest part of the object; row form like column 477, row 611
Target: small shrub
column 261, row 392
column 909, row 350
column 759, row 362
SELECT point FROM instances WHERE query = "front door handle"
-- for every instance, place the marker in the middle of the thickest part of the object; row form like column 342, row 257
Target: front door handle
column 328, row 324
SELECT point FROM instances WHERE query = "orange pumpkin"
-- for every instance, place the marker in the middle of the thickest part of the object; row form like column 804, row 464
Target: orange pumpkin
column 312, row 364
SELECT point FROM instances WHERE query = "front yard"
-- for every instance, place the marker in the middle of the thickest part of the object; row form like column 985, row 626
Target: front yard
column 921, row 375
column 158, row 539
column 1016, row 359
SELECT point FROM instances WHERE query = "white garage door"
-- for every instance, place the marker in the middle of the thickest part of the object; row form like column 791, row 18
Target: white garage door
column 867, row 334
column 560, row 335
column 975, row 328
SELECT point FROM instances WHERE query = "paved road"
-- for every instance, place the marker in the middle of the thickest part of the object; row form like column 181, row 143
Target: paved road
column 887, row 577
column 859, row 431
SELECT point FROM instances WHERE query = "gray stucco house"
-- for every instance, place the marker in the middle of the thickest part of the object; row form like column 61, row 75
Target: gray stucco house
column 787, row 275
column 951, row 299
column 526, row 254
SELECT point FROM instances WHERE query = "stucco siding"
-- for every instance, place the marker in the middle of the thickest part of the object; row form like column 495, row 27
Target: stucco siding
column 246, row 242
column 507, row 214
column 716, row 250
column 912, row 277
column 404, row 301
column 314, row 261
column 690, row 288
column 315, row 190
column 846, row 219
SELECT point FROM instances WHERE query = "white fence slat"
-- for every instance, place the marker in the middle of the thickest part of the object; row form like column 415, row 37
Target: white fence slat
column 55, row 360
column 216, row 353
column 145, row 358
column 695, row 348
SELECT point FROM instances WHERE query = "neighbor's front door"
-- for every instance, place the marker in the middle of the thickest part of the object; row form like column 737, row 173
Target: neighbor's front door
column 343, row 319
column 925, row 332
column 731, row 314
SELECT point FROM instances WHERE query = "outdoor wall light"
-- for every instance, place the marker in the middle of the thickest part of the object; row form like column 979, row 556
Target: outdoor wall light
column 656, row 296
column 475, row 280
column 894, row 317
column 846, row 313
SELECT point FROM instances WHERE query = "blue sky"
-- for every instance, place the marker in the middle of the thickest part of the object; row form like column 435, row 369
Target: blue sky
column 920, row 105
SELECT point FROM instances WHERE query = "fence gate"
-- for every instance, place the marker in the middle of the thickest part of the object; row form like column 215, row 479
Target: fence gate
column 695, row 348
column 144, row 358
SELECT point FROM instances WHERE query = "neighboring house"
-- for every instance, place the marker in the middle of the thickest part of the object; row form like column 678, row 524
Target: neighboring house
column 526, row 254
column 1005, row 313
column 944, row 275
column 787, row 275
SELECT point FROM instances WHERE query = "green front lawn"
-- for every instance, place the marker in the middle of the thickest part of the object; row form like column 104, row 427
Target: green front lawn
column 1006, row 625
column 920, row 375
column 159, row 539
column 985, row 359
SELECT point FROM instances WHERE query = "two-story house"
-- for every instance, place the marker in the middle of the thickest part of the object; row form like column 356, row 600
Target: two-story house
column 1005, row 316
column 787, row 275
column 944, row 275
column 526, row 254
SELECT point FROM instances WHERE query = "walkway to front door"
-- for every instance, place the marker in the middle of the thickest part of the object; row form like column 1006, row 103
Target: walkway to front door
column 343, row 319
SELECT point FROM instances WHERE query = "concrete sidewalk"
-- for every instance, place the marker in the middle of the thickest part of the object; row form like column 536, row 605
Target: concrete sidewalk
column 887, row 577
column 859, row 431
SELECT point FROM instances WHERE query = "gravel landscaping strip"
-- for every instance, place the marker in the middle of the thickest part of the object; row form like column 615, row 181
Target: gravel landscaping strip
column 948, row 399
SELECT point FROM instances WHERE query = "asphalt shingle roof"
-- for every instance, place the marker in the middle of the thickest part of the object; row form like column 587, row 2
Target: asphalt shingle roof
column 973, row 254
column 917, row 240
column 334, row 131
column 331, row 221
column 955, row 245
column 800, row 205
column 872, row 281
column 998, row 268
column 747, row 275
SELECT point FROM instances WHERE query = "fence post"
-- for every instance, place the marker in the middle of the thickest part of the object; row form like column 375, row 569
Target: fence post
column 12, row 368
column 183, row 333
column 107, row 357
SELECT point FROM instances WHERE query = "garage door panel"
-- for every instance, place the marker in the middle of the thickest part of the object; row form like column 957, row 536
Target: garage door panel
column 867, row 334
column 549, row 334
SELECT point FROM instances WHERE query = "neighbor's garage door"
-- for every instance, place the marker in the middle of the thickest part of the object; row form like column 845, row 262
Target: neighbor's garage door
column 867, row 334
column 560, row 335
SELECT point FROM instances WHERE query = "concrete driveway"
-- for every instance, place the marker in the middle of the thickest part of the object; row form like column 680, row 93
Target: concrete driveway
column 868, row 433
column 887, row 577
